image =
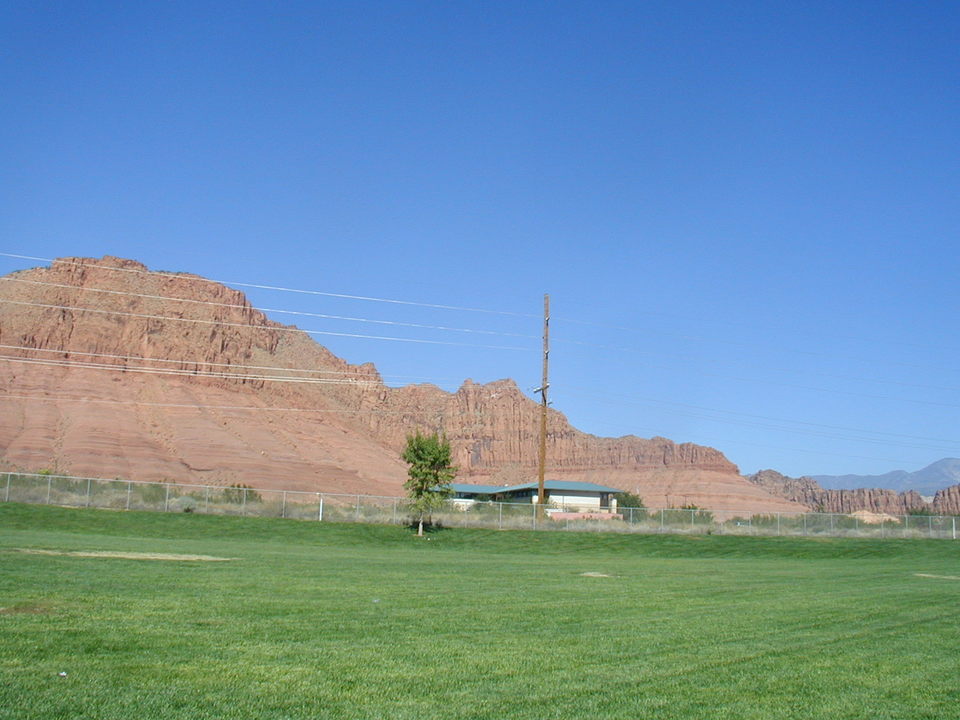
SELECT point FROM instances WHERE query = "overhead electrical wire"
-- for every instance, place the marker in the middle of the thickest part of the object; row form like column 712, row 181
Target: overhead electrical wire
column 202, row 406
column 449, row 343
column 423, row 341
column 835, row 376
column 854, row 393
column 439, row 414
column 263, row 327
column 187, row 373
column 714, row 443
column 560, row 319
column 463, row 330
column 645, row 401
column 196, row 278
column 949, row 445
column 620, row 348
column 270, row 310
column 452, row 307
column 215, row 364
column 356, row 383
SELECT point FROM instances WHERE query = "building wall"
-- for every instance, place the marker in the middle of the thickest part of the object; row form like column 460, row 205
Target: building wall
column 571, row 498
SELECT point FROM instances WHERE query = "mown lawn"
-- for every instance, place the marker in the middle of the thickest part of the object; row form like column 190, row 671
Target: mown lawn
column 317, row 620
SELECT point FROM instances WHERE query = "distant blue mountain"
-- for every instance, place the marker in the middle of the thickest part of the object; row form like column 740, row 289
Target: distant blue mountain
column 941, row 474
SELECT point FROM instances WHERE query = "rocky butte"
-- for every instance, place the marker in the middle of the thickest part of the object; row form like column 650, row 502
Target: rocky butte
column 110, row 370
column 807, row 491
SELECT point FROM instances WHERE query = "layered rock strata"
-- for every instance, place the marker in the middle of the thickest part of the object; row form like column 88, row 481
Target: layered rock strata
column 109, row 369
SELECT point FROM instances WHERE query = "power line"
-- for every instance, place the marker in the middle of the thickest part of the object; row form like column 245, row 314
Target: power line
column 733, row 323
column 197, row 278
column 951, row 445
column 276, row 328
column 477, row 331
column 714, row 443
column 634, row 349
column 215, row 364
column 268, row 310
column 390, row 322
column 413, row 340
column 186, row 373
column 439, row 414
column 775, row 419
column 201, row 406
column 707, row 373
column 361, row 383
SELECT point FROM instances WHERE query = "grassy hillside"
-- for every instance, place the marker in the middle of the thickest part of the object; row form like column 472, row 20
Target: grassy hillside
column 311, row 620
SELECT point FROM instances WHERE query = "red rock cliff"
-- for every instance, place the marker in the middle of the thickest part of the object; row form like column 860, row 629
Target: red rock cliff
column 170, row 375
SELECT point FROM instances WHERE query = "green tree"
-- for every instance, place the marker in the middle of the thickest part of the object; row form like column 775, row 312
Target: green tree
column 430, row 473
column 626, row 501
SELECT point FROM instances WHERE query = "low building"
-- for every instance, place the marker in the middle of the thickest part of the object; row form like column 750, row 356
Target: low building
column 561, row 494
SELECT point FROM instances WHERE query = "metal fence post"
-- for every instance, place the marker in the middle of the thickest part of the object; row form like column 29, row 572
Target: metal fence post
column 778, row 524
column 394, row 511
column 243, row 504
column 166, row 500
column 283, row 506
column 320, row 511
column 500, row 520
column 49, row 488
column 954, row 528
column 206, row 498
column 358, row 508
column 691, row 517
column 6, row 495
column 804, row 523
column 661, row 519
column 88, row 492
column 129, row 490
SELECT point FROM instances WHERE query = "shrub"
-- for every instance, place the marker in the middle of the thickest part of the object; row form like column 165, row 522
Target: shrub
column 235, row 494
column 185, row 504
column 700, row 516
column 631, row 507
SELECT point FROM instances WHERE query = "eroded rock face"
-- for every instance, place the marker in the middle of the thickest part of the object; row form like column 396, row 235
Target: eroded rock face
column 172, row 376
column 808, row 492
column 947, row 501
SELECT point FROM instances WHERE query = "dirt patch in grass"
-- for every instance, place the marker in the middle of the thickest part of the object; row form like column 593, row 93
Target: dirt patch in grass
column 125, row 555
column 26, row 609
column 939, row 577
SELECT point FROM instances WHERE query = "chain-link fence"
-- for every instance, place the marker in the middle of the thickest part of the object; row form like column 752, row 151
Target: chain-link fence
column 49, row 489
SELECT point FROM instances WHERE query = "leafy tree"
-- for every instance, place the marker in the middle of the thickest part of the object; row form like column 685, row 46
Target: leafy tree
column 430, row 473
column 627, row 501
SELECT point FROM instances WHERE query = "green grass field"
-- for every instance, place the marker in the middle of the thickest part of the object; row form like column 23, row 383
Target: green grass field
column 317, row 620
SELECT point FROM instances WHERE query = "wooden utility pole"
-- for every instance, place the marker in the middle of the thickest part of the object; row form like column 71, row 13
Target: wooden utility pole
column 543, row 404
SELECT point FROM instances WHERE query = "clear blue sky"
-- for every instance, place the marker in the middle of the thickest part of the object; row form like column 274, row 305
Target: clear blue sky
column 746, row 214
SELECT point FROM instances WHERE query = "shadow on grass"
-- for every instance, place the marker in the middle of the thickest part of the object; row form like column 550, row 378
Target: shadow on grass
column 429, row 528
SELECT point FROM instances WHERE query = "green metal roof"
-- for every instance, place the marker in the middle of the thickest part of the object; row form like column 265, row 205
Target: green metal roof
column 571, row 485
column 556, row 485
column 476, row 489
